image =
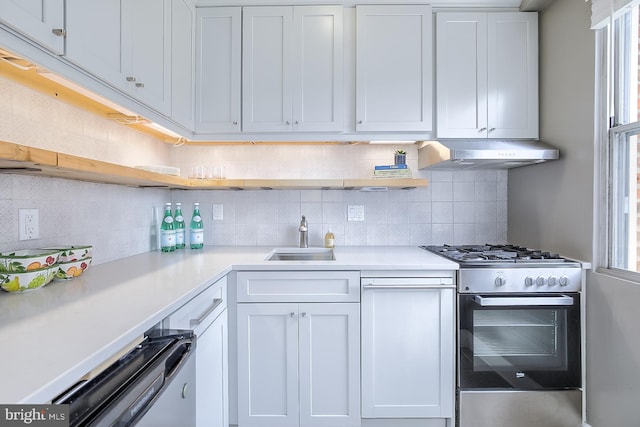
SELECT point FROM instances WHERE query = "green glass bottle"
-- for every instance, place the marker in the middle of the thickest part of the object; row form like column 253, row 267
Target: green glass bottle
column 167, row 231
column 178, row 225
column 196, row 235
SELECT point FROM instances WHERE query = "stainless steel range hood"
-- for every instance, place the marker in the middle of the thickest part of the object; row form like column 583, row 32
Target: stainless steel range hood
column 483, row 154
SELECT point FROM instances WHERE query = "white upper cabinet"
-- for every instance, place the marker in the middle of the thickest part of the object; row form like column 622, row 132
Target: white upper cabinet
column 218, row 72
column 487, row 75
column 94, row 35
column 394, row 56
column 146, row 51
column 182, row 56
column 40, row 20
column 292, row 69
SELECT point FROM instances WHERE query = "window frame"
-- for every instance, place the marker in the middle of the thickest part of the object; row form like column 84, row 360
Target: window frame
column 611, row 45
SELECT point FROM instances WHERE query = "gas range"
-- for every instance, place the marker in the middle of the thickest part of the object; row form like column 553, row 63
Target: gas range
column 511, row 269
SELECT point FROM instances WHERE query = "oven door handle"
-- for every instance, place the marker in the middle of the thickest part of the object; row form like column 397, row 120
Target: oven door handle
column 561, row 300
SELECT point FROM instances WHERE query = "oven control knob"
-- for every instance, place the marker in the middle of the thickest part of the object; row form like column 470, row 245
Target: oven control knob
column 528, row 281
column 551, row 281
column 500, row 281
column 540, row 281
column 563, row 281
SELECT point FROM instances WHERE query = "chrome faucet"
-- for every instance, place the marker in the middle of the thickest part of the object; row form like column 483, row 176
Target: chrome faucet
column 303, row 229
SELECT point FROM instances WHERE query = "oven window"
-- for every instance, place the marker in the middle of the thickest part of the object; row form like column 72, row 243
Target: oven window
column 534, row 337
column 520, row 345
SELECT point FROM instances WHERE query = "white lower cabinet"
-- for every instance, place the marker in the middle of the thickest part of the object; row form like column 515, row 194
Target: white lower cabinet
column 298, row 365
column 408, row 352
column 206, row 314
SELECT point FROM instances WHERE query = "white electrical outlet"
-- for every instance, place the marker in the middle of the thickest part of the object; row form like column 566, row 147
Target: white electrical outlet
column 355, row 213
column 29, row 224
column 218, row 212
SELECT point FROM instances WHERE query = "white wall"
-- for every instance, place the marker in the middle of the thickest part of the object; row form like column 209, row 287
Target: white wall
column 551, row 206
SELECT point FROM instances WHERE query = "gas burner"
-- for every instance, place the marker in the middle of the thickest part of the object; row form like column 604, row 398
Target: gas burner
column 490, row 254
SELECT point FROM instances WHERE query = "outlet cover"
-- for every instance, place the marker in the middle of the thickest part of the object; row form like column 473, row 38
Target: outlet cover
column 355, row 213
column 218, row 212
column 29, row 224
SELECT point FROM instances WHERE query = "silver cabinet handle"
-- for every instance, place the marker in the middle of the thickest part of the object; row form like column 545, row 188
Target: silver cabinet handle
column 185, row 391
column 522, row 301
column 482, row 129
column 60, row 32
column 288, row 122
column 131, row 79
column 208, row 311
column 304, row 314
column 296, row 122
column 492, row 129
column 401, row 287
column 292, row 314
column 139, row 84
column 235, row 122
column 359, row 122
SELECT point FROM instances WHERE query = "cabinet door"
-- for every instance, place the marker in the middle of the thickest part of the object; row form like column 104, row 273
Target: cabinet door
column 147, row 51
column 182, row 56
column 393, row 68
column 318, row 68
column 329, row 365
column 218, row 35
column 212, row 396
column 94, row 38
column 513, row 75
column 408, row 353
column 487, row 72
column 36, row 20
column 461, row 75
column 266, row 69
column 268, row 365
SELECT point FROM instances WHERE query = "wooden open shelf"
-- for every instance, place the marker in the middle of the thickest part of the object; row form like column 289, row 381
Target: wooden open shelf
column 21, row 159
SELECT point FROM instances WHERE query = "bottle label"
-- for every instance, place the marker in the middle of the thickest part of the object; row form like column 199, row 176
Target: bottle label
column 167, row 238
column 329, row 243
column 197, row 218
column 197, row 236
column 168, row 219
column 179, row 218
column 180, row 238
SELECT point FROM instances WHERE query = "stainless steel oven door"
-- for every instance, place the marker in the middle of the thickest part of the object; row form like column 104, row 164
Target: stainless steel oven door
column 519, row 341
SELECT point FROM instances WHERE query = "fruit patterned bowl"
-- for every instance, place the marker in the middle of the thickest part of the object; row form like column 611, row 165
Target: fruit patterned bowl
column 28, row 260
column 73, row 253
column 28, row 280
column 69, row 270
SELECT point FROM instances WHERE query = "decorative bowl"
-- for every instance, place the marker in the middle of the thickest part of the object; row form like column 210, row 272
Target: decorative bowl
column 73, row 253
column 71, row 269
column 28, row 280
column 28, row 259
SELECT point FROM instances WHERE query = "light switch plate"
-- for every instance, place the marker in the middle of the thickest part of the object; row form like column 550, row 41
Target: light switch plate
column 218, row 212
column 29, row 224
column 355, row 213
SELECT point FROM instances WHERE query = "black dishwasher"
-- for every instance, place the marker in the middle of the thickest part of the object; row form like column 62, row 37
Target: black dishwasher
column 153, row 385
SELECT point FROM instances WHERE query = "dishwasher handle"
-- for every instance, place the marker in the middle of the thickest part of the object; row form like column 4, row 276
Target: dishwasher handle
column 401, row 287
column 150, row 385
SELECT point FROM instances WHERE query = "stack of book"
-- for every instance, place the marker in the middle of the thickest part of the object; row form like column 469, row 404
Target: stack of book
column 391, row 171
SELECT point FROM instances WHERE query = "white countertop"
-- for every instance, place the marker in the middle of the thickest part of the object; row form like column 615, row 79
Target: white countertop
column 53, row 336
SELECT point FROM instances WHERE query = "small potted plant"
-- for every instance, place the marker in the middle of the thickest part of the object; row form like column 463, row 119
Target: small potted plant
column 400, row 157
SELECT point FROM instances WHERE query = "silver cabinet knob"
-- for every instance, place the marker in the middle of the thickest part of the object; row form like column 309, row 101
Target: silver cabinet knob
column 288, row 122
column 131, row 79
column 359, row 122
column 139, row 84
column 292, row 314
column 304, row 314
column 296, row 122
column 60, row 32
column 235, row 122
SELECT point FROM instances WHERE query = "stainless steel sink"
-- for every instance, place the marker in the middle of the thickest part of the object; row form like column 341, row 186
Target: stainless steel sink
column 301, row 254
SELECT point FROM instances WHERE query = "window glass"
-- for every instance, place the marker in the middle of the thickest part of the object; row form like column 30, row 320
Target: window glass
column 623, row 180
